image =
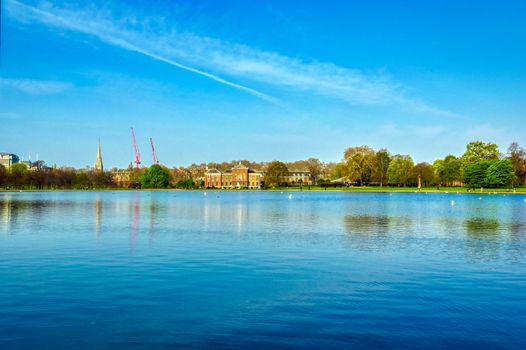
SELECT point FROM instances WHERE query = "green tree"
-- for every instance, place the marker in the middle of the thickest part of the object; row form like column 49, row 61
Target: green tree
column 399, row 169
column 500, row 174
column 339, row 171
column 449, row 170
column 478, row 150
column 155, row 176
column 425, row 172
column 101, row 179
column 3, row 176
column 185, row 184
column 18, row 175
column 64, row 177
column 360, row 161
column 275, row 174
column 475, row 174
column 382, row 158
column 82, row 180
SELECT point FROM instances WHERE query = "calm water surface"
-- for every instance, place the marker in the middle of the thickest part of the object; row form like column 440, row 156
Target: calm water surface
column 250, row 270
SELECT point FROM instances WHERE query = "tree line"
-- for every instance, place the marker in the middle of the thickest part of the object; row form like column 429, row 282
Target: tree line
column 481, row 165
column 19, row 176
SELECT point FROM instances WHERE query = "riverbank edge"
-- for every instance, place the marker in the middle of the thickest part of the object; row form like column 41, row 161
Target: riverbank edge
column 315, row 190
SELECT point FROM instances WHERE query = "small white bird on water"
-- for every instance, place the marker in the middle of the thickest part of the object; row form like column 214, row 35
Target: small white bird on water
column 204, row 194
column 452, row 203
column 290, row 196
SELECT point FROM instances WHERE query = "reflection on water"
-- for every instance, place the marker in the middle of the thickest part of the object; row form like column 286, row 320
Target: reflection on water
column 136, row 205
column 490, row 229
column 482, row 227
column 483, row 242
column 373, row 232
column 257, row 270
column 375, row 224
column 5, row 214
column 98, row 212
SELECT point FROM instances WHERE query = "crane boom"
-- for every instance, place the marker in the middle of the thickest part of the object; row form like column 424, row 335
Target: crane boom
column 137, row 153
column 154, row 156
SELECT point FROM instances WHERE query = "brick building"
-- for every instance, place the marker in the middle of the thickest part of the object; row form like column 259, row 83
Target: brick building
column 239, row 176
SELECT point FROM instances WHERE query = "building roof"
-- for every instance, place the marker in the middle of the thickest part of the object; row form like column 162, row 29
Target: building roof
column 213, row 171
column 240, row 166
column 341, row 180
column 229, row 171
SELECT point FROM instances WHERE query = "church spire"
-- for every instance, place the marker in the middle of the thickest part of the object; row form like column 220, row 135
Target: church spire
column 98, row 162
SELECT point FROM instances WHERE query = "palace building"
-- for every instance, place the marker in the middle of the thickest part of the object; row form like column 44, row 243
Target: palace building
column 239, row 176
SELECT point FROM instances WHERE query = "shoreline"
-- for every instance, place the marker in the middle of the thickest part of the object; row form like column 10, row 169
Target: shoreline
column 293, row 189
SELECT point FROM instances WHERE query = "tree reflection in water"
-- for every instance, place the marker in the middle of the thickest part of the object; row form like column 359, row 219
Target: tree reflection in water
column 482, row 227
column 483, row 241
column 377, row 232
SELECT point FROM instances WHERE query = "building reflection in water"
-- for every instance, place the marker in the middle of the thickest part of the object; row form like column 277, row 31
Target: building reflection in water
column 5, row 212
column 98, row 214
column 241, row 215
column 136, row 211
column 215, row 212
column 15, row 211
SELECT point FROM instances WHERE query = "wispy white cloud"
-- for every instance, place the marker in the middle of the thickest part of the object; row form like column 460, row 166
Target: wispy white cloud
column 214, row 58
column 35, row 87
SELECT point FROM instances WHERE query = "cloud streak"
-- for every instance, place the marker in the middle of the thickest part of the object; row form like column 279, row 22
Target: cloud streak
column 214, row 58
column 35, row 87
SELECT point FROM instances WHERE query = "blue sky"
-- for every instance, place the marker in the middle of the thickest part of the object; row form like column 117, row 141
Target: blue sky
column 260, row 80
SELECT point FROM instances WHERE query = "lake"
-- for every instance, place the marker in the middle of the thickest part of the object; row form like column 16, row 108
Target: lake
column 256, row 270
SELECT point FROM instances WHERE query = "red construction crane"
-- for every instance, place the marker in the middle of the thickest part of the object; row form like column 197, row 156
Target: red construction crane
column 154, row 156
column 137, row 153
